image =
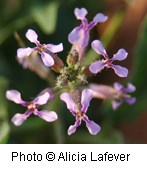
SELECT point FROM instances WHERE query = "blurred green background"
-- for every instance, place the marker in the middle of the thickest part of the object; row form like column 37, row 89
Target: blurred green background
column 53, row 20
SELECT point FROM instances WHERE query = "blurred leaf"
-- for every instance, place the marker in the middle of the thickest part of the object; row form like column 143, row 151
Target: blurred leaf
column 46, row 16
column 4, row 127
column 140, row 68
column 7, row 29
column 113, row 26
column 4, row 132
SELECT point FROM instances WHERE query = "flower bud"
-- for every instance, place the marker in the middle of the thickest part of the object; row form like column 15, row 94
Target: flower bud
column 72, row 58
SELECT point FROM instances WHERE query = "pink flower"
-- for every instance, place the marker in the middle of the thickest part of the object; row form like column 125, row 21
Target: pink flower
column 79, row 36
column 32, row 107
column 79, row 111
column 118, row 93
column 123, row 95
column 45, row 50
column 107, row 62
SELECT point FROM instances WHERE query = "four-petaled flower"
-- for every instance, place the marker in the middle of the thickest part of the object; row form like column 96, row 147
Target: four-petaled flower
column 45, row 50
column 123, row 95
column 79, row 36
column 107, row 62
column 80, row 111
column 32, row 107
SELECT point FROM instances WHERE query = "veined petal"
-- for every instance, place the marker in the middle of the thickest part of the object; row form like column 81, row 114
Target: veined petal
column 18, row 119
column 120, row 71
column 42, row 99
column 74, row 35
column 14, row 96
column 100, row 18
column 67, row 98
column 98, row 47
column 54, row 48
column 24, row 52
column 47, row 59
column 92, row 127
column 72, row 129
column 97, row 66
column 80, row 13
column 32, row 36
column 86, row 97
column 116, row 104
column 120, row 55
column 48, row 116
column 131, row 100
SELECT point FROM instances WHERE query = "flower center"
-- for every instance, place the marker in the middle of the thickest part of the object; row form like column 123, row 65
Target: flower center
column 80, row 115
column 41, row 48
column 31, row 106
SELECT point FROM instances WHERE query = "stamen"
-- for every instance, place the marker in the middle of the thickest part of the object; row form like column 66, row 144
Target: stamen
column 31, row 106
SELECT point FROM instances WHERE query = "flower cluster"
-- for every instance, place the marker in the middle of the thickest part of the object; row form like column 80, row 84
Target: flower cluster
column 72, row 79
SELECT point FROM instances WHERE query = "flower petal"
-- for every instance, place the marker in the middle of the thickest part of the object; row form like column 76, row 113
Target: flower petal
column 80, row 13
column 42, row 99
column 116, row 104
column 18, row 119
column 120, row 55
column 32, row 36
column 92, row 127
column 98, row 47
column 14, row 96
column 79, row 37
column 120, row 71
column 74, row 35
column 67, row 98
column 97, row 66
column 24, row 52
column 100, row 18
column 130, row 88
column 48, row 116
column 86, row 97
column 54, row 48
column 102, row 91
column 131, row 100
column 47, row 59
column 72, row 129
column 118, row 87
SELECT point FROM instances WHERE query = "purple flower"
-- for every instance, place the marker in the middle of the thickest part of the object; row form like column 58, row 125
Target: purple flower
column 79, row 111
column 102, row 91
column 123, row 95
column 32, row 107
column 45, row 50
column 79, row 36
column 107, row 62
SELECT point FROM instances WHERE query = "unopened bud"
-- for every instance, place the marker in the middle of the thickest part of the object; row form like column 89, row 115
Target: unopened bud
column 72, row 58
column 58, row 65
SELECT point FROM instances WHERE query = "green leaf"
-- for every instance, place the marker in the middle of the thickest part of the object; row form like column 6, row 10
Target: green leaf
column 4, row 132
column 8, row 29
column 46, row 16
column 4, row 126
column 112, row 28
